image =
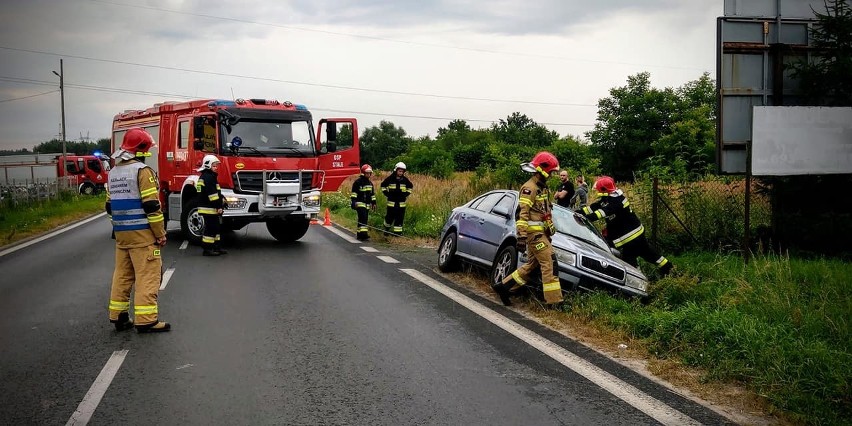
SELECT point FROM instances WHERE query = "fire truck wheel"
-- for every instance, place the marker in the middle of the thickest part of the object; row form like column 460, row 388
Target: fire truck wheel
column 287, row 231
column 191, row 223
column 87, row 189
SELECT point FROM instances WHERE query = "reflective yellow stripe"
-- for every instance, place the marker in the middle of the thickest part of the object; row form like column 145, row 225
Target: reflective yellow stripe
column 145, row 309
column 147, row 192
column 360, row 204
column 206, row 210
column 629, row 237
column 541, row 197
column 517, row 277
column 625, row 203
column 526, row 201
column 587, row 210
column 662, row 261
column 402, row 204
column 354, row 195
column 115, row 305
column 535, row 228
column 522, row 223
column 554, row 286
column 600, row 214
column 213, row 197
column 155, row 218
column 208, row 240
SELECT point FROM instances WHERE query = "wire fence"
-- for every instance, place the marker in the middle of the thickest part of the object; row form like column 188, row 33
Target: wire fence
column 705, row 215
column 18, row 193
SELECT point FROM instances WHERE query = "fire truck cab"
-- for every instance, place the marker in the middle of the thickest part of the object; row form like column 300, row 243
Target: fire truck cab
column 274, row 163
column 88, row 172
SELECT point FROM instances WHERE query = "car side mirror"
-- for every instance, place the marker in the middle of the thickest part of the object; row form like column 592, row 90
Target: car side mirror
column 501, row 211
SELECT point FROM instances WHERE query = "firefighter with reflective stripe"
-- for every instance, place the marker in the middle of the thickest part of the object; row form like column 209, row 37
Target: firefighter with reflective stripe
column 624, row 230
column 210, row 205
column 133, row 203
column 534, row 229
column 397, row 188
column 363, row 198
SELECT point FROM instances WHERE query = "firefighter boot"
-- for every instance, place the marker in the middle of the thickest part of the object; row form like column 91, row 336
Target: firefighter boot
column 209, row 250
column 123, row 322
column 219, row 249
column 503, row 290
column 157, row 327
column 665, row 269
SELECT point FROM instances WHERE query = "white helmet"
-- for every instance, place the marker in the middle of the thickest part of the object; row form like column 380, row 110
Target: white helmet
column 399, row 165
column 207, row 162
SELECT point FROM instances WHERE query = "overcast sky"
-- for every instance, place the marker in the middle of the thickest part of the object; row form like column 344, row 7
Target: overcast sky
column 416, row 63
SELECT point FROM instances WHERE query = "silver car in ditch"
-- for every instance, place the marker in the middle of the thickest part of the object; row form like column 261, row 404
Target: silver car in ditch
column 482, row 232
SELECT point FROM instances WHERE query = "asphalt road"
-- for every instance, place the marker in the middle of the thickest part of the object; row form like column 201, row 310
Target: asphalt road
column 317, row 332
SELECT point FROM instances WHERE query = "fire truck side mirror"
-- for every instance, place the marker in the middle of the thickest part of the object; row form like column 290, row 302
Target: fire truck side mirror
column 198, row 132
column 331, row 136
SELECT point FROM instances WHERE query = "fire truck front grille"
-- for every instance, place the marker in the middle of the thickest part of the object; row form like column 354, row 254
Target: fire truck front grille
column 253, row 181
column 602, row 267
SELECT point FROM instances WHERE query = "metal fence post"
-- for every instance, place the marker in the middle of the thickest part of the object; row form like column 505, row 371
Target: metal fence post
column 655, row 220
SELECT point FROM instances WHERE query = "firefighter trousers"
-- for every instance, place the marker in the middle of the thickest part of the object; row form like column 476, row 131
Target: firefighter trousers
column 210, row 236
column 362, row 223
column 539, row 255
column 394, row 217
column 639, row 247
column 142, row 267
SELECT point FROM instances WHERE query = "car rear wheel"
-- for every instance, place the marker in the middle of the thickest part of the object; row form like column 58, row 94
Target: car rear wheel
column 504, row 264
column 447, row 260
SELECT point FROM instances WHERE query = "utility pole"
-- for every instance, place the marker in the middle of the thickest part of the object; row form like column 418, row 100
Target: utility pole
column 61, row 76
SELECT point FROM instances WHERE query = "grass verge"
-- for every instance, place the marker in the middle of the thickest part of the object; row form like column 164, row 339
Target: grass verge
column 24, row 221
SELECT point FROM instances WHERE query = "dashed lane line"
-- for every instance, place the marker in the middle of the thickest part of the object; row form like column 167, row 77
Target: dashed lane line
column 184, row 245
column 649, row 405
column 342, row 234
column 93, row 397
column 387, row 259
column 369, row 249
column 166, row 277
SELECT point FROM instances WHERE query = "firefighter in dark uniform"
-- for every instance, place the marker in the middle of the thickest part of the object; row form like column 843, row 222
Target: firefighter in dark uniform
column 363, row 198
column 624, row 230
column 210, row 205
column 534, row 230
column 133, row 203
column 396, row 188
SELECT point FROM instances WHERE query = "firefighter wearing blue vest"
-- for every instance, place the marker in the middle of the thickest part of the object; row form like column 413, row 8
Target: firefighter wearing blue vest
column 624, row 230
column 211, row 205
column 534, row 228
column 133, row 202
column 363, row 198
column 397, row 188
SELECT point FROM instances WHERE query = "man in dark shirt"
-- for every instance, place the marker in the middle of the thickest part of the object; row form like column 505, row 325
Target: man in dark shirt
column 566, row 190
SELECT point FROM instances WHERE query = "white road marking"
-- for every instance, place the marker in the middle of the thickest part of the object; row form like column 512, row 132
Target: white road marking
column 388, row 259
column 93, row 397
column 184, row 245
column 166, row 277
column 649, row 405
column 50, row 235
column 184, row 366
column 370, row 249
column 342, row 234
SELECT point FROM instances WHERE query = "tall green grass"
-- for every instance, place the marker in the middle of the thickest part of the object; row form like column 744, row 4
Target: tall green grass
column 777, row 325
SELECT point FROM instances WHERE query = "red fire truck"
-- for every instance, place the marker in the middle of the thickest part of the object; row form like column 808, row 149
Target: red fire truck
column 89, row 172
column 274, row 165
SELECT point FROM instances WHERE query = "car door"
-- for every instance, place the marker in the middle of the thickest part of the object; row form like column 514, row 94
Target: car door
column 480, row 240
column 469, row 226
column 340, row 155
column 496, row 225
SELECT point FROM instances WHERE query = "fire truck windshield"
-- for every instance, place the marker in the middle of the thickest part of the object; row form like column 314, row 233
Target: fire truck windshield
column 268, row 139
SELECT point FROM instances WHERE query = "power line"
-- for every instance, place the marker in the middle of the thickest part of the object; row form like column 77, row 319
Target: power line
column 175, row 95
column 391, row 40
column 30, row 96
column 276, row 80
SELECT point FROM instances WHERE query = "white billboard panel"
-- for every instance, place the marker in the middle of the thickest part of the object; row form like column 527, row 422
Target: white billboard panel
column 801, row 141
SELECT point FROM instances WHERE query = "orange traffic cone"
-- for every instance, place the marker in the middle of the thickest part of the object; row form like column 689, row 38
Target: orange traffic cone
column 327, row 218
column 315, row 221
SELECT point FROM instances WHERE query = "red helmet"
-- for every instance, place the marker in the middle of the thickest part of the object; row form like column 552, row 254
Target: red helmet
column 366, row 169
column 544, row 163
column 604, row 185
column 137, row 141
